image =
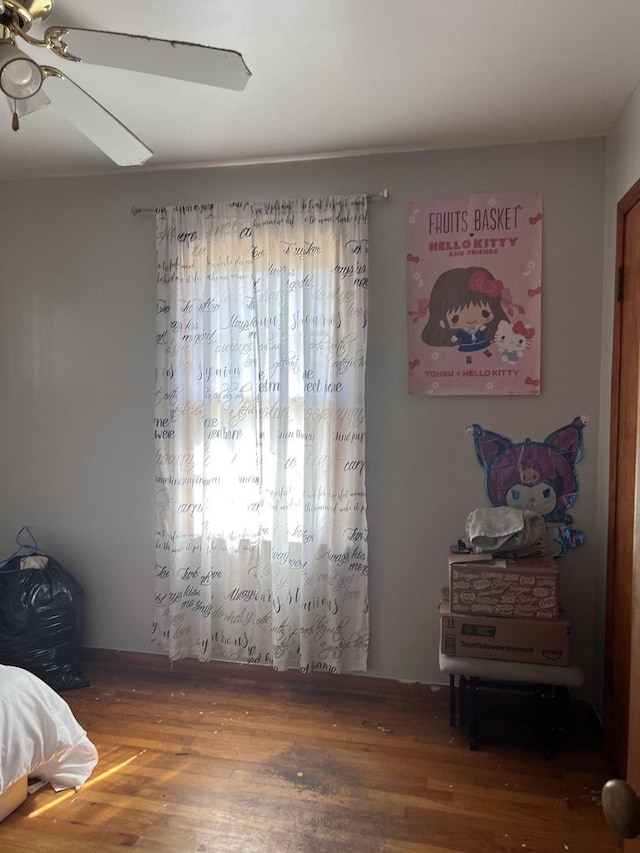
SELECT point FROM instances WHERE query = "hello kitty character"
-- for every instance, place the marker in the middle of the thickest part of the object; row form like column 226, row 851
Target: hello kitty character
column 513, row 341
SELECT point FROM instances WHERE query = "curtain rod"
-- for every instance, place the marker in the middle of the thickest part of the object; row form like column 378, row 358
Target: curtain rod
column 136, row 210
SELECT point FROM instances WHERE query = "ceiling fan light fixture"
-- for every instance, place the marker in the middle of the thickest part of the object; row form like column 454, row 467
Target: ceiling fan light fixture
column 26, row 106
column 20, row 76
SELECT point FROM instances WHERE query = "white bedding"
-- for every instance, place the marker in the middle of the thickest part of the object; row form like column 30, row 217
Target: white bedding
column 39, row 735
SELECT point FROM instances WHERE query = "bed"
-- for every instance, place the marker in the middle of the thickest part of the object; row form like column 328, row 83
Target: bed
column 39, row 737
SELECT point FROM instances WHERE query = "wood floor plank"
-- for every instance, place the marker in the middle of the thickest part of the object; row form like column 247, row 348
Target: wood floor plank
column 240, row 764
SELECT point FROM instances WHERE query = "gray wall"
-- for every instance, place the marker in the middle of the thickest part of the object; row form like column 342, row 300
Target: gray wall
column 77, row 347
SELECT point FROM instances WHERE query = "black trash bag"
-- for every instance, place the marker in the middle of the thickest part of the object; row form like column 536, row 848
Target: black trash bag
column 41, row 619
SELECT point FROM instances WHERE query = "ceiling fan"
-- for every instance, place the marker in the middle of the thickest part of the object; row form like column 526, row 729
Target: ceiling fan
column 23, row 80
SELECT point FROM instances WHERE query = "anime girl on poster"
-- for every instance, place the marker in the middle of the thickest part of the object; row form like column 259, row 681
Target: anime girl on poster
column 465, row 311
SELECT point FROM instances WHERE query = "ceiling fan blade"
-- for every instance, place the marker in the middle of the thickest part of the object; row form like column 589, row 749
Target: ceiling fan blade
column 212, row 66
column 97, row 123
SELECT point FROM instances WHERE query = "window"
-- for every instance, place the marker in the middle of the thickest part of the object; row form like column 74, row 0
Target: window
column 260, row 498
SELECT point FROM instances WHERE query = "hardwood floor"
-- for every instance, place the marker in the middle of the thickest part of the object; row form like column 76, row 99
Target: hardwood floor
column 235, row 761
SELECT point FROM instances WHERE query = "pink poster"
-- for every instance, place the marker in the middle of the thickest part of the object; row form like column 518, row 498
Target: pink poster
column 474, row 287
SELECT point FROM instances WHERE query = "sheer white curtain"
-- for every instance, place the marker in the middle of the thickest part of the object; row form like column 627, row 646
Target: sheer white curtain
column 261, row 541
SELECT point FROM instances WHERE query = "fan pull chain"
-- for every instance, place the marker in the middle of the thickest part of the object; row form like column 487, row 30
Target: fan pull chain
column 15, row 122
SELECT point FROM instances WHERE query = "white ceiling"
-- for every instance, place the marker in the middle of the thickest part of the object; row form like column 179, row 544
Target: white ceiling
column 345, row 76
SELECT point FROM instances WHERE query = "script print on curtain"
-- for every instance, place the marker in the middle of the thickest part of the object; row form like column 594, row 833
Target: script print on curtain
column 261, row 543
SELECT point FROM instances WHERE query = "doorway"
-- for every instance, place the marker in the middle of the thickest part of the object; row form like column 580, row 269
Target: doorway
column 621, row 712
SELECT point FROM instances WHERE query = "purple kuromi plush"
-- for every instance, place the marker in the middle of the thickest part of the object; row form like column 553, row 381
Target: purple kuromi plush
column 535, row 475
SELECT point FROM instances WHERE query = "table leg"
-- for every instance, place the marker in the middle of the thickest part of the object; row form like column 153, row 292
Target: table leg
column 462, row 698
column 452, row 700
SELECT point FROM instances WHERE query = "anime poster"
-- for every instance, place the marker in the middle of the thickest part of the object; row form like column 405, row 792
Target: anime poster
column 474, row 270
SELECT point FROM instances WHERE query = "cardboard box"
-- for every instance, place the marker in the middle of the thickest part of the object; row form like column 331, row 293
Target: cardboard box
column 493, row 638
column 518, row 589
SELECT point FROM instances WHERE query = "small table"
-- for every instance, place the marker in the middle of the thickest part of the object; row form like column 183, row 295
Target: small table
column 548, row 685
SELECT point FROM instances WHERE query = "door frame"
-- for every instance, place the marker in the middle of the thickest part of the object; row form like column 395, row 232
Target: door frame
column 615, row 706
